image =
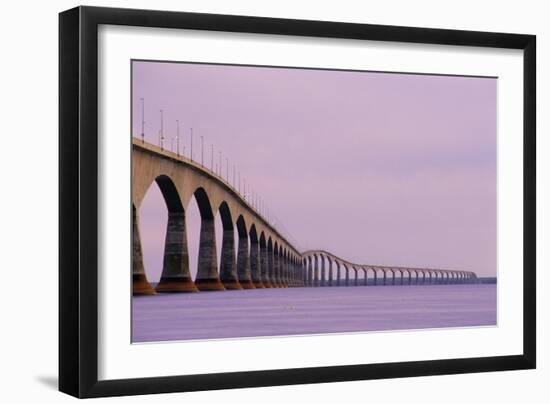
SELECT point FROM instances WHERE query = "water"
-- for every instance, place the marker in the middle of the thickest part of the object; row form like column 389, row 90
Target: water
column 270, row 312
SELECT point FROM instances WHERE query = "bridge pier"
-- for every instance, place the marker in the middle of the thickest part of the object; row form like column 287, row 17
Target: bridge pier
column 316, row 272
column 255, row 265
column 176, row 276
column 301, row 273
column 228, row 266
column 279, row 268
column 273, row 268
column 309, row 271
column 264, row 266
column 207, row 271
column 283, row 269
column 243, row 262
column 295, row 273
column 289, row 272
column 322, row 281
column 140, row 284
column 271, row 265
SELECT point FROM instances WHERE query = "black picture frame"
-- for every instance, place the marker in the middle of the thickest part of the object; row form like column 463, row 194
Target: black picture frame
column 78, row 201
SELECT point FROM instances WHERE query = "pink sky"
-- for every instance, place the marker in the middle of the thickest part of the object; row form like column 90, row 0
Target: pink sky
column 390, row 169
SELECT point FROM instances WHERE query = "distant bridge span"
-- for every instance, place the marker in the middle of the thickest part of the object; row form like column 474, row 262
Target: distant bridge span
column 320, row 266
column 264, row 258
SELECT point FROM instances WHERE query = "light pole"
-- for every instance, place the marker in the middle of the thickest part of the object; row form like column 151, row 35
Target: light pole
column 178, row 137
column 142, row 120
column 202, row 150
column 220, row 165
column 211, row 156
column 191, row 144
column 161, row 130
column 227, row 169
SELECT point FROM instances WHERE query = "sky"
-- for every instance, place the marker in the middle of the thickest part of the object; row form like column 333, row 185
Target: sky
column 377, row 168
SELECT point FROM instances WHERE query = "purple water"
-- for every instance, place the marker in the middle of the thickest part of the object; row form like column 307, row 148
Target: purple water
column 266, row 312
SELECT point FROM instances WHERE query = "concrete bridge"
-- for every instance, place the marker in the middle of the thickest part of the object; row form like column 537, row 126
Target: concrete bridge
column 325, row 269
column 265, row 258
column 271, row 260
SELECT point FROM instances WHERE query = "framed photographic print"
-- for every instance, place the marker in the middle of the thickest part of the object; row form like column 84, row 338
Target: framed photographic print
column 250, row 201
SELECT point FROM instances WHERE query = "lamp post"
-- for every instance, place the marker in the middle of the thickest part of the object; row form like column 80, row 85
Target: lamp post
column 161, row 130
column 202, row 150
column 178, row 137
column 142, row 120
column 191, row 144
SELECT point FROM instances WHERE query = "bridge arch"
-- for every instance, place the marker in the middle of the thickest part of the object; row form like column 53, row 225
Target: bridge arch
column 392, row 275
column 175, row 276
column 365, row 275
column 346, row 278
column 207, row 267
column 228, row 263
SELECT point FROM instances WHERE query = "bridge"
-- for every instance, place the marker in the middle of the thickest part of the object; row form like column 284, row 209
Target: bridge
column 265, row 258
column 324, row 269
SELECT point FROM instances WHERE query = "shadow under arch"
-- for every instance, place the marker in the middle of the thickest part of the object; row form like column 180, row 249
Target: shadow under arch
column 228, row 264
column 207, row 267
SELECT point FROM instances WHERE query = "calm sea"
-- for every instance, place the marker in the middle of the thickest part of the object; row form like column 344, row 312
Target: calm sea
column 291, row 311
